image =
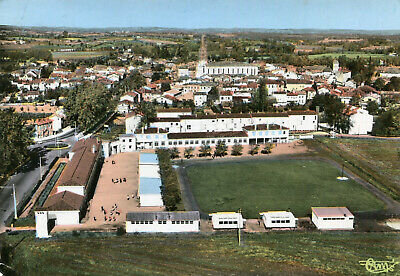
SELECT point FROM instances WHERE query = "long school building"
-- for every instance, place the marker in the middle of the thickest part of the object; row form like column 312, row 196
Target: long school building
column 193, row 131
column 163, row 222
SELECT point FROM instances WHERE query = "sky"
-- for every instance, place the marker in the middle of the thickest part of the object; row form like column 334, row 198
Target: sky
column 268, row 14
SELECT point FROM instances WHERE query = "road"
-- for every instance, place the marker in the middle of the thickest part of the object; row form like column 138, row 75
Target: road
column 27, row 176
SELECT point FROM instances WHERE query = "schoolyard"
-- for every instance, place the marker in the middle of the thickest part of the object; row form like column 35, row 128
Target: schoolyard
column 262, row 185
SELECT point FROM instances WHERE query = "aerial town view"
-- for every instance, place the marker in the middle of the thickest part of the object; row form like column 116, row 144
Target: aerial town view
column 199, row 137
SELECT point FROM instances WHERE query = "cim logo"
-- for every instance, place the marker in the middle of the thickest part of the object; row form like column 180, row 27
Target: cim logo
column 379, row 266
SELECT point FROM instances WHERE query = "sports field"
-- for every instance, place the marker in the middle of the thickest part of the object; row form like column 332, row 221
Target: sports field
column 257, row 186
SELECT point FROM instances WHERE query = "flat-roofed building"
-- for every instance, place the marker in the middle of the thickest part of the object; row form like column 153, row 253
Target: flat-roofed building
column 278, row 219
column 332, row 218
column 150, row 192
column 164, row 222
column 227, row 220
column 226, row 68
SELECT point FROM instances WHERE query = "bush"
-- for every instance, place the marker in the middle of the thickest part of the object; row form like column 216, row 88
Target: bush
column 121, row 231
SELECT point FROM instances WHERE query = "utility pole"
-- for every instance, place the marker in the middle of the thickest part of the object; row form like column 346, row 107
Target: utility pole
column 239, row 221
column 15, row 203
column 40, row 167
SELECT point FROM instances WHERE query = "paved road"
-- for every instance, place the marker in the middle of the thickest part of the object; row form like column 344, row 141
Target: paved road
column 28, row 176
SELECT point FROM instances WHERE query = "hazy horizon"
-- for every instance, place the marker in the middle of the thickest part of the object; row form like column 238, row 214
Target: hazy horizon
column 366, row 15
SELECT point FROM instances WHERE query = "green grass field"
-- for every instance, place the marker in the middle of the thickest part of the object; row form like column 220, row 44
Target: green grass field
column 284, row 253
column 275, row 185
column 348, row 54
column 378, row 161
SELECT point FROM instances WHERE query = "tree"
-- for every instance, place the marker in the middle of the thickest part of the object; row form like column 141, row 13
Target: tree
column 174, row 153
column 165, row 86
column 6, row 87
column 260, row 97
column 188, row 152
column 212, row 96
column 148, row 111
column 237, row 149
column 379, row 84
column 372, row 107
column 86, row 104
column 205, row 150
column 221, row 149
column 15, row 138
column 387, row 124
column 254, row 149
column 267, row 149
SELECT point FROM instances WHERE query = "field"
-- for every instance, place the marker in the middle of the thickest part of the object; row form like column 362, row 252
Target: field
column 378, row 161
column 275, row 185
column 285, row 253
column 77, row 55
column 349, row 55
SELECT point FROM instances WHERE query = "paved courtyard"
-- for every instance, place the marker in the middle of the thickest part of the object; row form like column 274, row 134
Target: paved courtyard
column 118, row 184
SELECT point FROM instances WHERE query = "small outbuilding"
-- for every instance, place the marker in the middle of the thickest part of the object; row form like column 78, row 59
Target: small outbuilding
column 167, row 222
column 278, row 219
column 332, row 218
column 227, row 220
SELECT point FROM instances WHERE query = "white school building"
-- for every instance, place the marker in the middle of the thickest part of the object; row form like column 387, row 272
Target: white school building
column 227, row 220
column 162, row 222
column 332, row 218
column 197, row 130
column 278, row 219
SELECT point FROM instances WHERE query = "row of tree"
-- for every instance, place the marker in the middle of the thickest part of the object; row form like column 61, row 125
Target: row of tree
column 15, row 138
column 170, row 186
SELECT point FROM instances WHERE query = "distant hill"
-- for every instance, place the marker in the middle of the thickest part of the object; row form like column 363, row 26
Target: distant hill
column 210, row 30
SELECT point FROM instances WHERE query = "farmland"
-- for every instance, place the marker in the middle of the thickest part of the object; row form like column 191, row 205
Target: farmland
column 78, row 55
column 286, row 253
column 348, row 55
column 259, row 186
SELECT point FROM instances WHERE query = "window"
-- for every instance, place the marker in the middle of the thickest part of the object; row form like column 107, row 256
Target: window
column 170, row 143
column 155, row 143
column 130, row 147
column 182, row 222
column 146, row 222
column 173, row 222
column 178, row 222
column 180, row 142
column 164, row 222
column 142, row 222
column 159, row 222
column 287, row 221
column 162, row 143
column 151, row 222
column 123, row 140
column 220, row 222
column 187, row 222
column 189, row 127
column 304, row 117
column 235, row 222
column 191, row 222
column 130, row 140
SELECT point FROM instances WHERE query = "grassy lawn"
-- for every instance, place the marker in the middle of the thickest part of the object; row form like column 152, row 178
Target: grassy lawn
column 284, row 253
column 348, row 54
column 276, row 185
column 378, row 161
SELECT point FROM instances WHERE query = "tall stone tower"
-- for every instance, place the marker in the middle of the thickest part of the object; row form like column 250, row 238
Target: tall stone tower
column 201, row 65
